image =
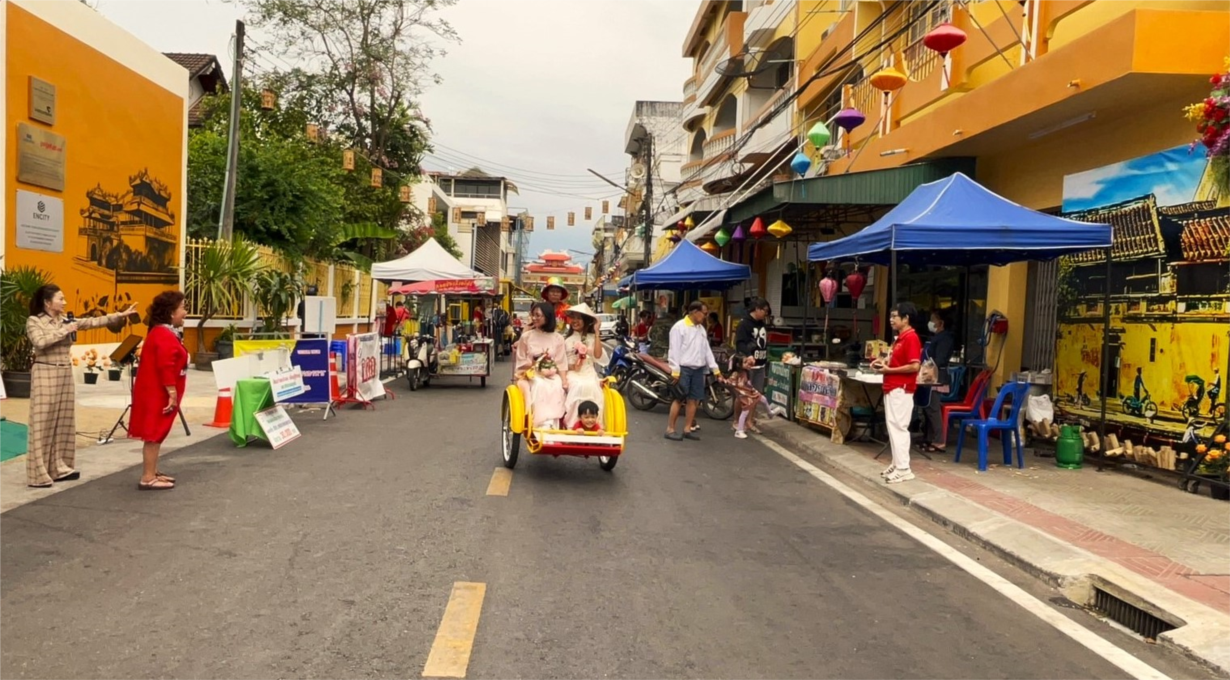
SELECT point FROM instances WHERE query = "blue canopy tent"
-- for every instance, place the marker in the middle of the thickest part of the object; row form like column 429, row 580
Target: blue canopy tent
column 688, row 267
column 958, row 222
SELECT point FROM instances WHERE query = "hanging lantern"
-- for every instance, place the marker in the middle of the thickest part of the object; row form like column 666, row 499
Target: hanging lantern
column 819, row 135
column 739, row 235
column 888, row 80
column 348, row 159
column 757, row 231
column 480, row 219
column 722, row 237
column 944, row 38
column 550, row 222
column 710, row 247
column 456, row 214
column 674, row 238
column 801, row 163
column 377, row 177
column 528, row 223
column 780, row 229
column 849, row 118
column 589, row 212
column 828, row 289
column 431, row 205
column 688, row 222
column 606, row 207
column 505, row 224
column 313, row 132
column 855, row 282
column 268, row 100
column 404, row 193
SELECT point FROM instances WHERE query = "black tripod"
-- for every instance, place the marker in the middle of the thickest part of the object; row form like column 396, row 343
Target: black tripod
column 125, row 355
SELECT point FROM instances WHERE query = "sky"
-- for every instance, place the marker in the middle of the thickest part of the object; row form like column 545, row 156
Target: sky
column 1172, row 175
column 535, row 90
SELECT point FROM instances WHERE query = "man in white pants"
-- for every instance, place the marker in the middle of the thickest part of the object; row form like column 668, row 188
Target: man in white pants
column 900, row 379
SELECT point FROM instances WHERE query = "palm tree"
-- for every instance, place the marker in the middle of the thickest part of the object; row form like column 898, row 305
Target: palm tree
column 220, row 278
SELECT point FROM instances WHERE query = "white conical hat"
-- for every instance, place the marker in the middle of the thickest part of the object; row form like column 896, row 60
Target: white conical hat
column 582, row 309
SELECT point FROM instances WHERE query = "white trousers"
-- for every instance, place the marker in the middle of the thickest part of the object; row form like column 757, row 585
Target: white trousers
column 898, row 408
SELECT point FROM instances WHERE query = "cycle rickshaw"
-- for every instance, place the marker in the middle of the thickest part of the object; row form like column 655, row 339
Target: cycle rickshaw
column 517, row 424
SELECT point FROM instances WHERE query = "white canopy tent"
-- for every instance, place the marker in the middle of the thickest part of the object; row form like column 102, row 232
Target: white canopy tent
column 429, row 262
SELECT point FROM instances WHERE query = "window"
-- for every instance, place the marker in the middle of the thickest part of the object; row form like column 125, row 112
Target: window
column 921, row 21
column 472, row 189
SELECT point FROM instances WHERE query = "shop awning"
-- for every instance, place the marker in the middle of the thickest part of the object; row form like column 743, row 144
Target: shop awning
column 624, row 303
column 428, row 262
column 689, row 268
column 956, row 221
column 889, row 186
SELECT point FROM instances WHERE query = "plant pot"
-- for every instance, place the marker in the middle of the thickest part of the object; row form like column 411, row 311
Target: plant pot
column 204, row 360
column 91, row 378
column 226, row 349
column 17, row 384
column 114, row 374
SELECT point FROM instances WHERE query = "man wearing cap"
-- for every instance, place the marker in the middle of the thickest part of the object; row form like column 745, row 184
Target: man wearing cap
column 556, row 294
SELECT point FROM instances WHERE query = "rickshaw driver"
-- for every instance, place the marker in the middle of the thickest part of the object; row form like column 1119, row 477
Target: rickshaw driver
column 557, row 295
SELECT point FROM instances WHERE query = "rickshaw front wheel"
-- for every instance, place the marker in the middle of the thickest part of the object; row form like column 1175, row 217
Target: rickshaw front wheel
column 510, row 441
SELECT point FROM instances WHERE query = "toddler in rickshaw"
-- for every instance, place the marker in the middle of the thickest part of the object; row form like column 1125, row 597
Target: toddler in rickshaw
column 547, row 393
column 587, row 418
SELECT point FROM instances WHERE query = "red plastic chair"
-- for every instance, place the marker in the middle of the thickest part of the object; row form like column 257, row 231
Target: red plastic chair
column 971, row 405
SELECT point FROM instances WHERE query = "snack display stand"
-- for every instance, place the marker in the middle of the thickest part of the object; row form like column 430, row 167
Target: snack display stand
column 468, row 357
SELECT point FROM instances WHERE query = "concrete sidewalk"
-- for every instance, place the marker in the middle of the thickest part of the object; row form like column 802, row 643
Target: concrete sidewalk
column 98, row 407
column 1150, row 544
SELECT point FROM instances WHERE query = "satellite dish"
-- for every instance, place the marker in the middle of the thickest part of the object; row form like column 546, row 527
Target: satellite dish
column 832, row 153
column 737, row 67
column 638, row 171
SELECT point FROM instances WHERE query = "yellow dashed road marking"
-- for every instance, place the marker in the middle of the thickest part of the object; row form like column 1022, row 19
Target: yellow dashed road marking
column 501, row 479
column 450, row 653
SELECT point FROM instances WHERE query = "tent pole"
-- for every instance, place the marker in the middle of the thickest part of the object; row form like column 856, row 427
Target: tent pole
column 892, row 302
column 806, row 299
column 1105, row 348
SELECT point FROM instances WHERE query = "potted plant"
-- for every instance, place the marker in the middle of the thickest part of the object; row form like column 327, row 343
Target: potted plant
column 1214, row 464
column 92, row 366
column 225, row 344
column 218, row 279
column 17, row 287
column 276, row 293
column 114, row 373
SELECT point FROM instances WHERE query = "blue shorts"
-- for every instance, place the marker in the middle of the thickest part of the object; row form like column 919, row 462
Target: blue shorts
column 692, row 383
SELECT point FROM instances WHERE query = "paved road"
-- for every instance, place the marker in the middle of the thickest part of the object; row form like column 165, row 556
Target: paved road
column 335, row 557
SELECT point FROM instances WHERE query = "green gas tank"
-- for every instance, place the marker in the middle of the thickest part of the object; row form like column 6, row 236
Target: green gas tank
column 1070, row 448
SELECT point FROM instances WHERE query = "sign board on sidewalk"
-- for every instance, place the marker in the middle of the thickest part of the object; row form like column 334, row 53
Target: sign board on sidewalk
column 818, row 392
column 286, row 383
column 312, row 358
column 277, row 426
column 364, row 366
column 779, row 387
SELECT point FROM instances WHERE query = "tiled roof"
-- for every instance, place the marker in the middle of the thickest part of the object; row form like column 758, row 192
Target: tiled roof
column 1206, row 236
column 1137, row 234
column 195, row 63
column 1185, row 208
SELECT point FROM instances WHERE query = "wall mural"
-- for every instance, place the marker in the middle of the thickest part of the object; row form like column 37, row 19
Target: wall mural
column 1169, row 302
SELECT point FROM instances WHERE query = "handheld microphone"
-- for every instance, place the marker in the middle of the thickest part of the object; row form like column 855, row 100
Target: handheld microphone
column 69, row 319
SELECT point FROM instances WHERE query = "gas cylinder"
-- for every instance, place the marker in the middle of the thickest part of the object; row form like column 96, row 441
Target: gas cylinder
column 1069, row 448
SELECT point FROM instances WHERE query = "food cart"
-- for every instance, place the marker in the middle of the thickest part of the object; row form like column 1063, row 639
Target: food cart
column 456, row 349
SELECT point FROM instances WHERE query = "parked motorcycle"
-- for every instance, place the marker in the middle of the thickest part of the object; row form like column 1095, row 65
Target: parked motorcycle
column 421, row 362
column 623, row 362
column 651, row 384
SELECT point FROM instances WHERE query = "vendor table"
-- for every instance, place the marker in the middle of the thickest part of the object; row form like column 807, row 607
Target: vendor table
column 827, row 394
column 251, row 396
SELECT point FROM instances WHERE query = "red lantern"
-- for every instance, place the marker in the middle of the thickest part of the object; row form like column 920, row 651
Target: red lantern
column 855, row 283
column 758, row 230
column 828, row 289
column 944, row 38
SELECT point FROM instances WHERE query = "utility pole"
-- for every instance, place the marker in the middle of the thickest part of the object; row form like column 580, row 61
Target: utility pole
column 648, row 236
column 226, row 221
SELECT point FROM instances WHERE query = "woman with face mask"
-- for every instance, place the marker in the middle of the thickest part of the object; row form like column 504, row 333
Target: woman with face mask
column 939, row 349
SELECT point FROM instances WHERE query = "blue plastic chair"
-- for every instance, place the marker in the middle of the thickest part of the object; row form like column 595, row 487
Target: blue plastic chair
column 1017, row 392
column 956, row 375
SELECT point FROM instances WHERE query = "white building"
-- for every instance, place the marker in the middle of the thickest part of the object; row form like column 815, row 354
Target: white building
column 654, row 129
column 474, row 204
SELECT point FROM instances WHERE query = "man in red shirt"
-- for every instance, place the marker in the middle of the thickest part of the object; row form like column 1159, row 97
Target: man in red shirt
column 900, row 379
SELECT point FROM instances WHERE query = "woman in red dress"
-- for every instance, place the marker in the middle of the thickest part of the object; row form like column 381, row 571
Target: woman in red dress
column 159, row 388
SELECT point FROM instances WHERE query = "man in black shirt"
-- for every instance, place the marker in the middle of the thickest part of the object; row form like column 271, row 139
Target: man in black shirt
column 752, row 340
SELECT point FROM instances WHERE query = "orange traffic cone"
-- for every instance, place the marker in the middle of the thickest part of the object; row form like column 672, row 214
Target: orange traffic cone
column 222, row 410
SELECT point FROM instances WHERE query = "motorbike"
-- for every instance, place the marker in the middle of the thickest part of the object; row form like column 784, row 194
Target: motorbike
column 421, row 362
column 623, row 361
column 1140, row 407
column 650, row 384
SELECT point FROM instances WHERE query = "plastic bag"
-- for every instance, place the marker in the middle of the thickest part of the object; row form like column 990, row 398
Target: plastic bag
column 928, row 373
column 1038, row 408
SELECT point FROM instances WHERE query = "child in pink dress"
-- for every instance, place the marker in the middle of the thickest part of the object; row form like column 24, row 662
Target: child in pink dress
column 748, row 397
column 547, row 393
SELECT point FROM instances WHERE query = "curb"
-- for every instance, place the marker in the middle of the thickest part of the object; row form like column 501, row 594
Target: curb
column 1202, row 633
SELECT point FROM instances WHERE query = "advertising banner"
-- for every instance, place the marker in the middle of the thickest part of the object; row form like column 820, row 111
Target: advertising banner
column 277, row 426
column 818, row 390
column 312, row 359
column 286, row 384
column 364, row 366
column 779, row 387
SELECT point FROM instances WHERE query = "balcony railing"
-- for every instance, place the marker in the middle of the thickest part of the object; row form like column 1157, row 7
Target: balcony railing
column 689, row 88
column 691, row 170
column 719, row 144
column 920, row 61
column 719, row 51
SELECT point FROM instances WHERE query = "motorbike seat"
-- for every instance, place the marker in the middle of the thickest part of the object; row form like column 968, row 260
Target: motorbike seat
column 656, row 363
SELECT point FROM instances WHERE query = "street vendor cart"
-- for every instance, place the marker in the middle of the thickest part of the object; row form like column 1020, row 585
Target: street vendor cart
column 453, row 347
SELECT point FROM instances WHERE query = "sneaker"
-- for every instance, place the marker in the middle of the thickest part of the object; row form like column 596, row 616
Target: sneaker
column 740, row 434
column 888, row 470
column 899, row 476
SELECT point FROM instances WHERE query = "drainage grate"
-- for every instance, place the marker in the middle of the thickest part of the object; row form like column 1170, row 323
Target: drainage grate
column 1130, row 616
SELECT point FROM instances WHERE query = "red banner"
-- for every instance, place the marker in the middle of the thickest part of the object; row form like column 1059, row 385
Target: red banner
column 483, row 286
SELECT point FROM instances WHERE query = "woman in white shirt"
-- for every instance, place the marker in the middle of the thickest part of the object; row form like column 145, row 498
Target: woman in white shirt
column 587, row 361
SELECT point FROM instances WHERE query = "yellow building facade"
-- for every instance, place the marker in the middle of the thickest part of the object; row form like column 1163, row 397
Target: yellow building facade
column 95, row 157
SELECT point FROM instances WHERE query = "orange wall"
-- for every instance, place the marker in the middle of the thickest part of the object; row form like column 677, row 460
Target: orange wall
column 116, row 123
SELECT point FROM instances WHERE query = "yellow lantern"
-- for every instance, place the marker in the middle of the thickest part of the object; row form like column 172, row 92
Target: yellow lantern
column 377, row 177
column 779, row 229
column 504, row 224
column 456, row 214
column 348, row 160
column 888, row 80
column 606, row 207
column 480, row 219
column 313, row 132
column 528, row 223
column 268, row 99
column 431, row 205
column 572, row 219
column 404, row 193
column 550, row 222
column 689, row 222
column 589, row 213
column 710, row 247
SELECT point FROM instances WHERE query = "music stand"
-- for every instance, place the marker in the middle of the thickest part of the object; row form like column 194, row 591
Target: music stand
column 126, row 354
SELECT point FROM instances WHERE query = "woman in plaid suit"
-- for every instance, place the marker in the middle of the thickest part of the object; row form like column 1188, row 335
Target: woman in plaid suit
column 52, row 446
